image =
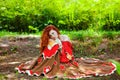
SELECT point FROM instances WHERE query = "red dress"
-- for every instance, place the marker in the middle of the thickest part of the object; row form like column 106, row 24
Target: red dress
column 54, row 63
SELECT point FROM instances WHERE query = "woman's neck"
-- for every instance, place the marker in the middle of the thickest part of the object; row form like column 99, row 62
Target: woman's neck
column 51, row 42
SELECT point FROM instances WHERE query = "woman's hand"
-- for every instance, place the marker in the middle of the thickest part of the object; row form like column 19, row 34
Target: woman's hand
column 69, row 56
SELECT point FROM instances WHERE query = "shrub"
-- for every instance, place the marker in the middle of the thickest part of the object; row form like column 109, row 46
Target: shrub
column 17, row 15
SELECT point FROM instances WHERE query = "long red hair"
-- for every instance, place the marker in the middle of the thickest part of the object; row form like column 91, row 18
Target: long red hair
column 45, row 36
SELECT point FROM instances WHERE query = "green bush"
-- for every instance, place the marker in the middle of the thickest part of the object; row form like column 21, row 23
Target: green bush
column 18, row 15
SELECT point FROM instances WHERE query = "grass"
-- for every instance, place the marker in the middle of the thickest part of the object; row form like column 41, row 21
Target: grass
column 10, row 34
column 2, row 77
column 6, row 33
column 81, row 35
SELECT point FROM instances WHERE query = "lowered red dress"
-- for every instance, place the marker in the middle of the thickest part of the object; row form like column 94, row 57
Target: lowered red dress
column 53, row 62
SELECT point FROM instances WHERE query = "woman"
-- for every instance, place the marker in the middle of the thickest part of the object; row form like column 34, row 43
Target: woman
column 56, row 59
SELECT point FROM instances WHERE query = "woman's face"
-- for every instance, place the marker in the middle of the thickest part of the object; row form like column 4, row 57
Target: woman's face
column 53, row 34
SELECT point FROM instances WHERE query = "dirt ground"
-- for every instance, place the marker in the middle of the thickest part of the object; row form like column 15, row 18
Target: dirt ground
column 15, row 50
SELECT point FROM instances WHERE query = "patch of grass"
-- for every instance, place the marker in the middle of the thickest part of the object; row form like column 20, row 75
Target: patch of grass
column 14, row 34
column 6, row 33
column 78, row 35
column 96, row 41
column 82, row 34
column 2, row 77
column 44, row 78
column 90, row 33
column 111, row 34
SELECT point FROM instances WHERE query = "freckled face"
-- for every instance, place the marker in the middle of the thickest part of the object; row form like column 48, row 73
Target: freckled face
column 53, row 34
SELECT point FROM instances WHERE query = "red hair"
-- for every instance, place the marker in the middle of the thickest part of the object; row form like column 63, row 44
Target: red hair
column 45, row 36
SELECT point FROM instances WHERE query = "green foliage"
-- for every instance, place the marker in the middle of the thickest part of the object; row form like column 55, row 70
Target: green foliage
column 19, row 15
column 32, row 29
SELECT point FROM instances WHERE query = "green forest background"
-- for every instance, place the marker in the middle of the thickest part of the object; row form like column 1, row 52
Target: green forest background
column 34, row 15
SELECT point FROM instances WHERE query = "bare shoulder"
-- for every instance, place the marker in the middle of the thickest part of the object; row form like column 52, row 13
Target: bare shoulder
column 64, row 38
